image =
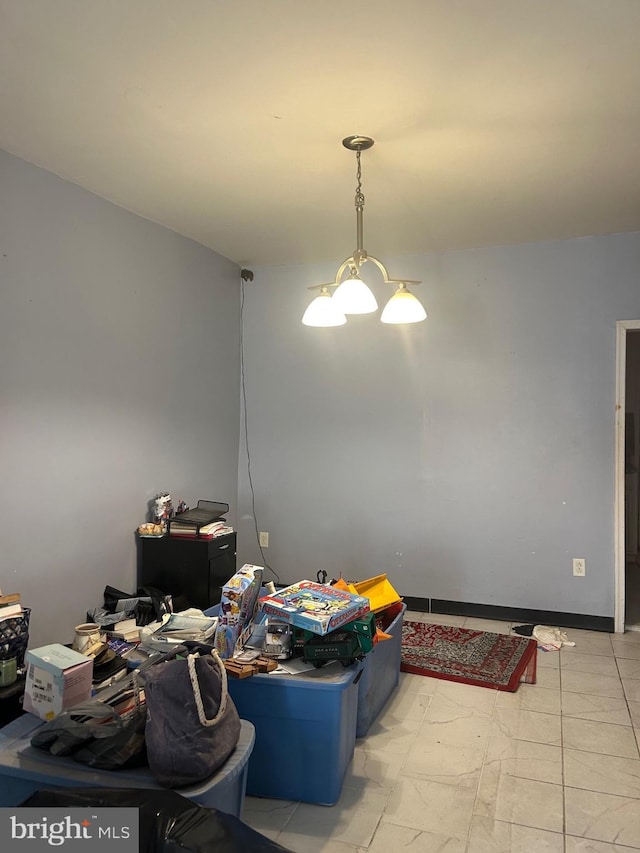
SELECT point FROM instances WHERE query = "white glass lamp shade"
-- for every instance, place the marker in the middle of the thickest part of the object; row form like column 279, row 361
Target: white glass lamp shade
column 354, row 297
column 323, row 311
column 403, row 307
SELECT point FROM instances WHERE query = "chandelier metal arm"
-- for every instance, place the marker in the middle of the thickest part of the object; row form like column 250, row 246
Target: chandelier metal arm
column 355, row 264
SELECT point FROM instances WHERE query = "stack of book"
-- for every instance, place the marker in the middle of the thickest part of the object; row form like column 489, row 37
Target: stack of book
column 126, row 629
column 207, row 531
column 10, row 606
column 204, row 521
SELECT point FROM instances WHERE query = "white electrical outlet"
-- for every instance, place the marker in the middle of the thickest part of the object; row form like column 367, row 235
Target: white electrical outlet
column 264, row 540
column 579, row 567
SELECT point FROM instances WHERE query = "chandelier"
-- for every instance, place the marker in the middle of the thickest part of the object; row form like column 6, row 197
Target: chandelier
column 350, row 295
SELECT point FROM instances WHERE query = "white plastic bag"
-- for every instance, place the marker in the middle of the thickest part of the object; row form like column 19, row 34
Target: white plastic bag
column 551, row 639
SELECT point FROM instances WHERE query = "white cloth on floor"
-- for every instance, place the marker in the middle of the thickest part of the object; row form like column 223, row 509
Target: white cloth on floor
column 551, row 639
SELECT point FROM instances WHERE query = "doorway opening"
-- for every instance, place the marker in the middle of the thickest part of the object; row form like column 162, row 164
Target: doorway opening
column 627, row 477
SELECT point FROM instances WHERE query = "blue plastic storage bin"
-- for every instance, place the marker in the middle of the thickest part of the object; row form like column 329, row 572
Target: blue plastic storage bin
column 380, row 675
column 25, row 769
column 305, row 731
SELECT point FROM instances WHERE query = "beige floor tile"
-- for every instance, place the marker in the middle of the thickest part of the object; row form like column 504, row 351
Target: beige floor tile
column 493, row 626
column 588, row 682
column 602, row 817
column 391, row 837
column 599, row 664
column 634, row 710
column 527, row 725
column 375, row 770
column 299, row 842
column 587, row 643
column 467, row 731
column 631, row 687
column 415, row 615
column 550, row 660
column 525, row 759
column 441, row 619
column 601, row 709
column 587, row 845
column 431, row 806
column 622, row 649
column 531, row 697
column 628, row 636
column 395, row 735
column 411, row 683
column 267, row 816
column 445, row 762
column 523, row 801
column 628, row 668
column 406, row 706
column 548, row 678
column 452, row 700
column 495, row 836
column 603, row 738
column 607, row 774
column 353, row 820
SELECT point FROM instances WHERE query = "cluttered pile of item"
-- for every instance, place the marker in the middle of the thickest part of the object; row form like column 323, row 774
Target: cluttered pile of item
column 131, row 676
column 109, row 697
column 309, row 623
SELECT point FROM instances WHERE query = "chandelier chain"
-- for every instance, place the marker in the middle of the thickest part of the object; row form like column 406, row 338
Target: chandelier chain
column 359, row 193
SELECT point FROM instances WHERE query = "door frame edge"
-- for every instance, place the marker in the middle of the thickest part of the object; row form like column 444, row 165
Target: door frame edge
column 622, row 326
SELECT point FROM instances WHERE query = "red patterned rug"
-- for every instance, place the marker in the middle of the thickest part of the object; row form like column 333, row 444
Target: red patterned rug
column 498, row 661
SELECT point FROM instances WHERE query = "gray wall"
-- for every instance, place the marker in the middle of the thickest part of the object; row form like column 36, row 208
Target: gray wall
column 471, row 456
column 119, row 377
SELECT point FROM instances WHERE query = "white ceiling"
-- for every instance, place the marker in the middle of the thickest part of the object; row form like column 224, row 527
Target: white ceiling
column 496, row 121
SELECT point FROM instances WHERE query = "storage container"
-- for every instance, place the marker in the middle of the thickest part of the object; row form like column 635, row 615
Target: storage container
column 25, row 769
column 305, row 731
column 380, row 674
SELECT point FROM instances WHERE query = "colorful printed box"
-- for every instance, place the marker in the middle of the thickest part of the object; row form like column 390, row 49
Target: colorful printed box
column 317, row 607
column 238, row 605
column 57, row 678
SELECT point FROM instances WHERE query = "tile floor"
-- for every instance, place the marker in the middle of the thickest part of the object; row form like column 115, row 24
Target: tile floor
column 552, row 768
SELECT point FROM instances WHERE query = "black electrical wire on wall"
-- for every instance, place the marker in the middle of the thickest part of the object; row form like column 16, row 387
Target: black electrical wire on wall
column 247, row 275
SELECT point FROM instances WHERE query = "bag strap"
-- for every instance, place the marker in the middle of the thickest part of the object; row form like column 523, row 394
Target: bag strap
column 224, row 693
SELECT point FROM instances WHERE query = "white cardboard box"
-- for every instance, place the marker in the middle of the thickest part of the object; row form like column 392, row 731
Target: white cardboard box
column 57, row 678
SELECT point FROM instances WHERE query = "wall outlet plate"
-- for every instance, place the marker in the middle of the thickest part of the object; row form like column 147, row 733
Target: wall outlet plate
column 579, row 567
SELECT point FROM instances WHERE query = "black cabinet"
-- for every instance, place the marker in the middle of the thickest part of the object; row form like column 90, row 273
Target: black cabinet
column 192, row 570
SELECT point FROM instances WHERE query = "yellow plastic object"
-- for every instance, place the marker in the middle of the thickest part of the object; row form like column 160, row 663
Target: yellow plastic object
column 378, row 590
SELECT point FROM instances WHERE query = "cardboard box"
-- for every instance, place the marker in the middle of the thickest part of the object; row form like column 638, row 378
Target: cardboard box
column 316, row 607
column 238, row 606
column 57, row 678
